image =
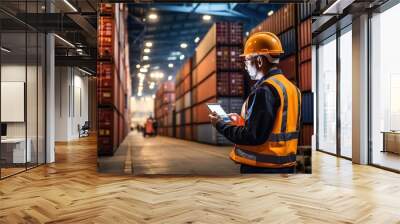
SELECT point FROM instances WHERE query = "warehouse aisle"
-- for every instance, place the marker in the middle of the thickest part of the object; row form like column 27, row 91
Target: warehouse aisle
column 163, row 155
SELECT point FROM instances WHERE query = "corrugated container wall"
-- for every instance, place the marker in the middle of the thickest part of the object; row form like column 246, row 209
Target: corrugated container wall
column 113, row 82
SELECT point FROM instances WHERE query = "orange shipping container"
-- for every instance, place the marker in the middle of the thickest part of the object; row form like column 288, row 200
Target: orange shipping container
column 205, row 68
column 207, row 89
column 200, row 112
column 188, row 132
column 306, row 135
column 288, row 66
column 305, row 76
column 305, row 54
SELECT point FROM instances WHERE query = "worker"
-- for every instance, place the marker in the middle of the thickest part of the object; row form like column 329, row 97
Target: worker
column 266, row 133
column 149, row 130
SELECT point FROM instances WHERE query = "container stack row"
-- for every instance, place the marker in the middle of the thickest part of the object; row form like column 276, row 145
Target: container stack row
column 183, row 105
column 292, row 24
column 217, row 76
column 113, row 80
column 164, row 104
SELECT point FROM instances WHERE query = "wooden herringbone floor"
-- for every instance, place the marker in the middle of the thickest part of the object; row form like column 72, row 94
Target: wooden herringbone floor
column 71, row 191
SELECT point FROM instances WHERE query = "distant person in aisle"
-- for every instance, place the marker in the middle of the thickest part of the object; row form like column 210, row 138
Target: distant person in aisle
column 267, row 131
column 148, row 127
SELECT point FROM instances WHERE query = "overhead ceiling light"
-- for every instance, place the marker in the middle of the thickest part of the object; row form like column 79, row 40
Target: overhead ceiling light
column 146, row 66
column 144, row 70
column 5, row 50
column 270, row 12
column 247, row 33
column 70, row 5
column 154, row 96
column 139, row 94
column 206, row 17
column 184, row 45
column 64, row 40
column 170, row 65
column 156, row 67
column 149, row 44
column 197, row 39
column 153, row 16
column 175, row 53
column 138, row 66
column 170, row 78
column 182, row 57
column 145, row 58
column 146, row 50
column 172, row 58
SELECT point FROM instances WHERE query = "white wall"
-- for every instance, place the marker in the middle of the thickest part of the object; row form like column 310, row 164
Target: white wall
column 141, row 109
column 71, row 102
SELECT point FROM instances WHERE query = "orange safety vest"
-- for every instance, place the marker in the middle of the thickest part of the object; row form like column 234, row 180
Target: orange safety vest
column 281, row 147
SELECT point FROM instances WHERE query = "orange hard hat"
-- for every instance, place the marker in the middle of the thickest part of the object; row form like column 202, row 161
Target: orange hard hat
column 263, row 43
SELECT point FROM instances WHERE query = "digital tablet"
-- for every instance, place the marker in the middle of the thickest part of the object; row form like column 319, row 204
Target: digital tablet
column 216, row 107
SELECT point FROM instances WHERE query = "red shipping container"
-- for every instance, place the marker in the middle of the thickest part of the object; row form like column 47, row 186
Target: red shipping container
column 188, row 116
column 223, row 57
column 188, row 132
column 207, row 89
column 236, row 33
column 106, row 8
column 223, row 83
column 222, row 35
column 306, row 135
column 236, row 61
column 104, row 75
column 305, row 33
column 305, row 54
column 288, row 66
column 200, row 112
column 236, row 84
column 305, row 76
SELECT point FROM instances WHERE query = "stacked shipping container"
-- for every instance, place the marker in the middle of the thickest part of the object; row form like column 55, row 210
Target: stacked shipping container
column 292, row 23
column 217, row 76
column 164, row 104
column 113, row 79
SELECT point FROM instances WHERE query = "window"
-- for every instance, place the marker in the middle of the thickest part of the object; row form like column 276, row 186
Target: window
column 385, row 89
column 346, row 92
column 326, row 95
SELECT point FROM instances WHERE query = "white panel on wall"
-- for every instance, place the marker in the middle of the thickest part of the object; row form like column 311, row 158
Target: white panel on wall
column 12, row 101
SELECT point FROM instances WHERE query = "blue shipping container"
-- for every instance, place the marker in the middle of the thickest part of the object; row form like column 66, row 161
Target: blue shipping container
column 307, row 109
column 288, row 40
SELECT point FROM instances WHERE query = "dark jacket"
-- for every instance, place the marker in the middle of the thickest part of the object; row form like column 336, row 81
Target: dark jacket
column 263, row 104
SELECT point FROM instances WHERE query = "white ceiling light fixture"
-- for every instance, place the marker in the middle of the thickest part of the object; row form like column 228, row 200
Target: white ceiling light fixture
column 146, row 66
column 153, row 16
column 146, row 58
column 138, row 66
column 247, row 33
column 149, row 44
column 144, row 70
column 70, row 5
column 172, row 58
column 184, row 45
column 206, row 17
column 64, row 40
column 5, row 50
column 154, row 96
column 170, row 78
column 197, row 39
column 270, row 12
column 182, row 57
column 170, row 65
column 146, row 50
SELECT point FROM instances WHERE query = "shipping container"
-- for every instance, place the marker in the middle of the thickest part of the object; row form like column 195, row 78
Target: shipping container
column 288, row 66
column 288, row 40
column 305, row 35
column 305, row 76
column 188, row 132
column 221, row 33
column 206, row 133
column 307, row 108
column 305, row 54
column 306, row 133
column 107, row 135
column 306, row 10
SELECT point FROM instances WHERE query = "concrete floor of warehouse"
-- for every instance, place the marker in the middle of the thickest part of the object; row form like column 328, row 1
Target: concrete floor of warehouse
column 164, row 155
column 72, row 191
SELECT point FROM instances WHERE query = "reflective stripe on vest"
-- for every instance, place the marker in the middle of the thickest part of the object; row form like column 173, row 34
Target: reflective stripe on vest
column 265, row 158
column 283, row 136
column 285, row 104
